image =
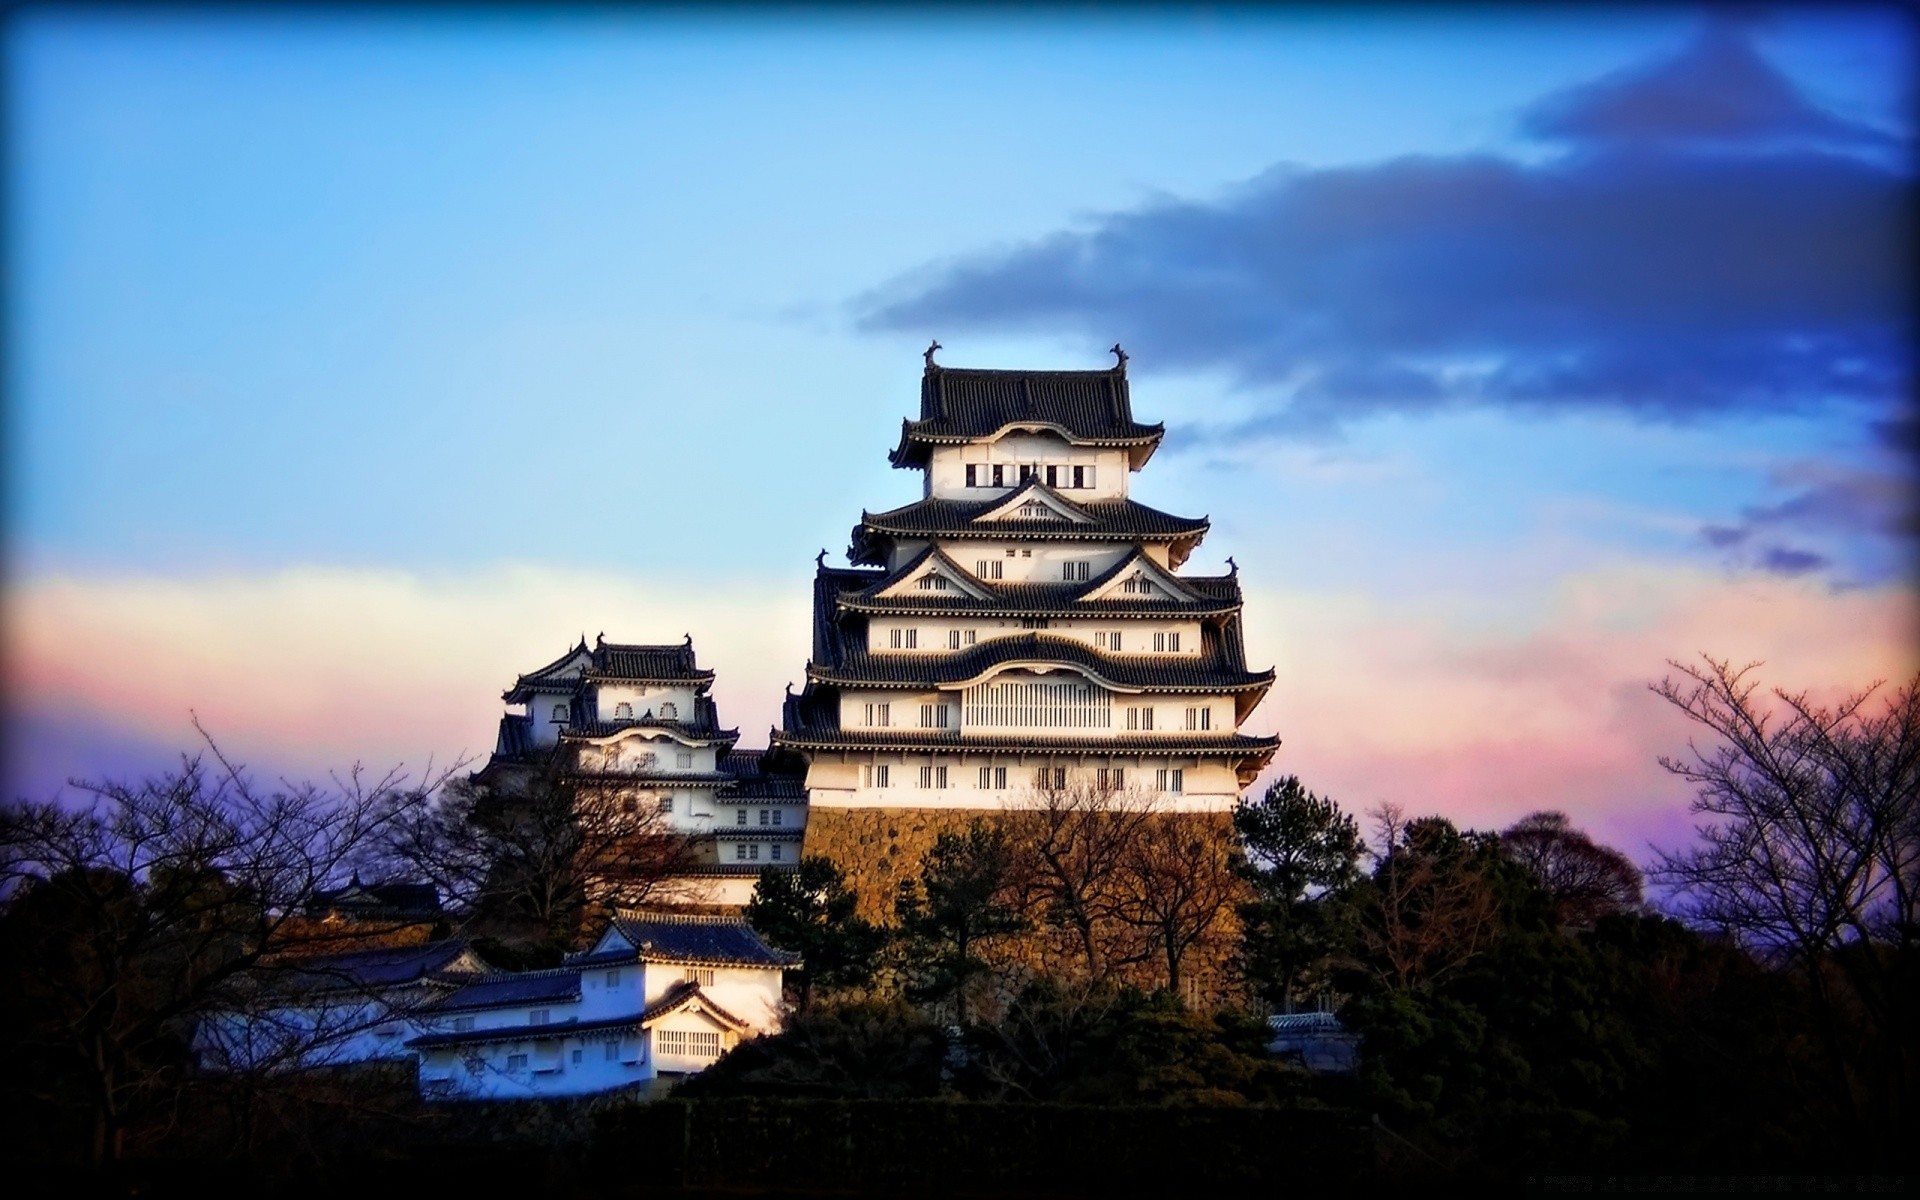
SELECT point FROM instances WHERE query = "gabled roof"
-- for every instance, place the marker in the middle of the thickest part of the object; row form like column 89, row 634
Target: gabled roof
column 687, row 994
column 699, row 939
column 1110, row 584
column 515, row 740
column 1212, row 595
column 511, row 990
column 391, row 966
column 646, row 664
column 931, row 561
column 1037, row 494
column 398, row 898
column 1112, row 521
column 610, row 662
column 959, row 405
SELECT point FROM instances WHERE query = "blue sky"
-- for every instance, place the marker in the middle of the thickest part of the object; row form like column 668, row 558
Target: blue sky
column 437, row 294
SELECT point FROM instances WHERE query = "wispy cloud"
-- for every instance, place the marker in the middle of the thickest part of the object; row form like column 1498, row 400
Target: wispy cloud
column 1702, row 240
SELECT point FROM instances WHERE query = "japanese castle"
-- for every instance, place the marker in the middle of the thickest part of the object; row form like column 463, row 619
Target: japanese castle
column 1024, row 624
column 1021, row 626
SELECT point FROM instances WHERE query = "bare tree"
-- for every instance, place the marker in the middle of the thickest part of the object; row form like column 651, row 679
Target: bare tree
column 544, row 849
column 1181, row 880
column 1810, row 848
column 1429, row 908
column 1075, row 843
column 132, row 919
column 1585, row 880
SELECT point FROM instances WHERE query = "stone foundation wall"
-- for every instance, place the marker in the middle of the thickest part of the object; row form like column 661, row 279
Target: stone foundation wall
column 878, row 848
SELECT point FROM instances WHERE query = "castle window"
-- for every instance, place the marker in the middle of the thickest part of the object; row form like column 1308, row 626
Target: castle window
column 539, row 1016
column 763, row 816
column 1075, row 570
column 516, row 1062
column 1035, row 511
column 683, row 759
column 1026, row 472
column 576, row 1056
column 953, row 639
column 778, row 815
column 880, row 774
column 988, row 569
column 613, row 978
column 1026, row 554
column 773, row 852
column 623, row 711
column 967, row 637
column 1039, row 706
column 669, row 711
column 739, row 816
column 1033, row 622
column 1114, row 777
column 999, row 475
column 1140, row 718
column 1053, row 475
column 753, row 852
column 1199, row 718
column 740, row 851
column 879, row 715
column 1170, row 780
column 666, row 803
column 463, row 1024
column 931, row 583
column 1105, row 640
column 972, row 470
column 1050, row 777
column 560, row 713
column 703, row 976
column 926, row 777
column 1167, row 641
column 612, row 1052
column 993, row 779
column 1079, row 477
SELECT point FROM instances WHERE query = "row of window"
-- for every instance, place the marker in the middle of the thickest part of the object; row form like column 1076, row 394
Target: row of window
column 994, row 779
column 1054, row 475
column 622, row 711
column 904, row 638
column 779, row 816
column 687, row 1043
column 1033, row 706
column 750, row 852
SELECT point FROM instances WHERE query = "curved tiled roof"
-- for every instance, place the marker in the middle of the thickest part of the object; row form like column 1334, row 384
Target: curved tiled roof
column 690, row 938
column 504, row 991
column 1113, row 521
column 1218, row 594
column 1208, row 671
column 385, row 967
column 824, row 737
column 960, row 404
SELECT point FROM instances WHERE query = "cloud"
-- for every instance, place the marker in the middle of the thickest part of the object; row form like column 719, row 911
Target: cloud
column 1491, row 707
column 1836, row 502
column 308, row 670
column 1481, row 708
column 1638, row 269
column 1717, row 91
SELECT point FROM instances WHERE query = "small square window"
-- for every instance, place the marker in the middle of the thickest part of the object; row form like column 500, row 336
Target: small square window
column 613, row 978
column 516, row 1062
column 739, row 816
column 612, row 1052
column 576, row 1056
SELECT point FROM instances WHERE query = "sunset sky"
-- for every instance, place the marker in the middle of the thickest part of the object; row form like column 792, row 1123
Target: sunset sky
column 360, row 360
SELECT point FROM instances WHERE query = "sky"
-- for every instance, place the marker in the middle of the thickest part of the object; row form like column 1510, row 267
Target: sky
column 359, row 360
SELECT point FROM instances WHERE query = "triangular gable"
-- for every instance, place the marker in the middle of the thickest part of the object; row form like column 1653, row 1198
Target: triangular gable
column 611, row 939
column 1135, row 569
column 693, row 1002
column 932, row 562
column 1027, row 502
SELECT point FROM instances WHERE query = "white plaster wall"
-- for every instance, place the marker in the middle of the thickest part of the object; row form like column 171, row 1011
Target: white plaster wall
column 931, row 633
column 947, row 476
column 446, row 1072
column 546, row 730
column 838, row 780
column 644, row 699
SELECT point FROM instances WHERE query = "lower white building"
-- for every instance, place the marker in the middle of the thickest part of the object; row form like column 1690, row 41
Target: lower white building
column 658, row 997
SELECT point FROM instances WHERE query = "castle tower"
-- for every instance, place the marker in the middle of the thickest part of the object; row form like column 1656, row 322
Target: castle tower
column 635, row 723
column 1024, row 623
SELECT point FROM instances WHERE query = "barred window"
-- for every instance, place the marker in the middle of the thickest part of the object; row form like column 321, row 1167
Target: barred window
column 988, row 568
column 775, row 853
column 1173, row 780
column 1200, row 718
column 739, row 816
column 683, row 760
column 516, row 1062
column 1050, row 777
column 939, row 777
column 669, row 711
column 932, row 583
column 1039, row 705
column 539, row 1016
column 880, row 774
column 688, row 1043
column 1075, row 570
column 700, row 975
column 778, row 816
column 764, row 817
column 1113, row 777
column 1140, row 718
column 623, row 711
column 560, row 713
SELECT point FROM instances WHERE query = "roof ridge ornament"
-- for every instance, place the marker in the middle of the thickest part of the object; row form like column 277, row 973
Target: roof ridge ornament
column 1120, row 354
column 820, row 560
column 1234, row 565
column 928, row 352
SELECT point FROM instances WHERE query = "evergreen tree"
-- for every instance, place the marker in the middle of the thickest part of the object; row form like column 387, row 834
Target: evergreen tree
column 956, row 906
column 811, row 910
column 1302, row 858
